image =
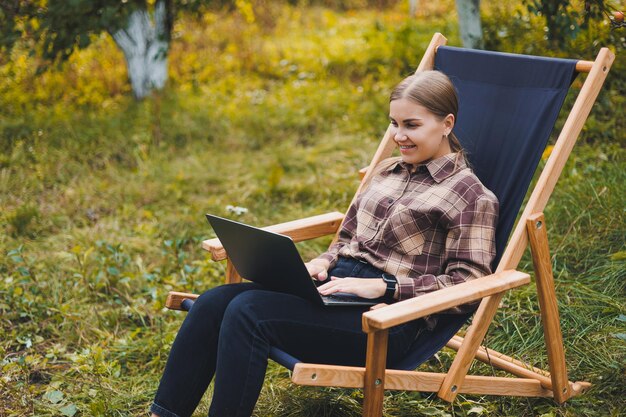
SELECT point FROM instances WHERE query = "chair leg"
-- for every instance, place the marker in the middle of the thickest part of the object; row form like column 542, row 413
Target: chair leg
column 232, row 276
column 544, row 279
column 374, row 384
column 475, row 335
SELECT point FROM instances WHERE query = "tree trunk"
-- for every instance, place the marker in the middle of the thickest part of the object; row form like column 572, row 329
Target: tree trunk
column 145, row 46
column 412, row 7
column 469, row 23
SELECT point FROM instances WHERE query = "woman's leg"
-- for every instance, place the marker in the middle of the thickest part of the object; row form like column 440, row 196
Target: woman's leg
column 257, row 320
column 191, row 362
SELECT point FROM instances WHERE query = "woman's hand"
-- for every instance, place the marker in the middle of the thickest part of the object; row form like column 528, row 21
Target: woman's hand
column 363, row 287
column 317, row 270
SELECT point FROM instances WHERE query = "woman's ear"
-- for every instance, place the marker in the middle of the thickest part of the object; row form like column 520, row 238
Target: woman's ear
column 448, row 122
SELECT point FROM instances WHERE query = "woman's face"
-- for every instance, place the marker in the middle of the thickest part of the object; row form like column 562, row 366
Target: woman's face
column 420, row 135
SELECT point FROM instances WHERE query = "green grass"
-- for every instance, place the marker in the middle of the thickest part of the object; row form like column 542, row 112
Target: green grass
column 103, row 199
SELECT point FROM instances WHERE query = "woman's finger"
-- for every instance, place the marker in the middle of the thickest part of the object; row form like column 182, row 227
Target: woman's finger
column 333, row 285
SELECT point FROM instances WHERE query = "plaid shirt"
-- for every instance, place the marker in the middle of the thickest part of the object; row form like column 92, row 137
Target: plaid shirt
column 431, row 225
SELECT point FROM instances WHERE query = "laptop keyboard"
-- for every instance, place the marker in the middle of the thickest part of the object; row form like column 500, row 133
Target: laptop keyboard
column 344, row 298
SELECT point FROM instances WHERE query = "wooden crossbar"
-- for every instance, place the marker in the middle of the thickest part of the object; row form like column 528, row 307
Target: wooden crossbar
column 506, row 363
column 517, row 367
column 584, row 66
column 354, row 377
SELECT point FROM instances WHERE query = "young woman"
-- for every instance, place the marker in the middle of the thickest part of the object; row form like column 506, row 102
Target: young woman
column 424, row 220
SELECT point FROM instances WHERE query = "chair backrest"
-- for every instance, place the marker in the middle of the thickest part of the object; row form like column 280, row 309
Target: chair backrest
column 508, row 105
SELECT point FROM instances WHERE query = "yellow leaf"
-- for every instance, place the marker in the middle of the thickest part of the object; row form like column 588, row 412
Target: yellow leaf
column 547, row 152
column 619, row 256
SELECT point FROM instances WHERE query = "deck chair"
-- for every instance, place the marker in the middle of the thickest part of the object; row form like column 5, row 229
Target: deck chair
column 508, row 106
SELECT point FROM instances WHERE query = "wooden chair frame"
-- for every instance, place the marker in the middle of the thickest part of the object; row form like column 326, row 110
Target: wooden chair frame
column 531, row 229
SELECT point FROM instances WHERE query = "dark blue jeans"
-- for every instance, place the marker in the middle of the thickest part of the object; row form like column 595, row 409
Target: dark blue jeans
column 230, row 329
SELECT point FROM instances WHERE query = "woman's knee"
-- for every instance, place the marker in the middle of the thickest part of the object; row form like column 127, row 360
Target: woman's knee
column 248, row 308
column 213, row 303
column 242, row 304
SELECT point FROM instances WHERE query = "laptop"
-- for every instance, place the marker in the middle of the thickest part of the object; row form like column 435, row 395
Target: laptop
column 272, row 260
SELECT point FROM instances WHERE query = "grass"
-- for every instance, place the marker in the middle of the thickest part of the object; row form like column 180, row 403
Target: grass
column 103, row 199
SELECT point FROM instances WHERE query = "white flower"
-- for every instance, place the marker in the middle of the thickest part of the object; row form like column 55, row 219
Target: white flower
column 236, row 209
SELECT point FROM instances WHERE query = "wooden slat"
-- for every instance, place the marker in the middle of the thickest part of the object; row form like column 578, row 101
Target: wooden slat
column 579, row 387
column 454, row 379
column 428, row 60
column 353, row 377
column 558, row 157
column 517, row 367
column 548, row 305
column 506, row 363
column 298, row 230
column 374, row 376
column 174, row 299
column 427, row 304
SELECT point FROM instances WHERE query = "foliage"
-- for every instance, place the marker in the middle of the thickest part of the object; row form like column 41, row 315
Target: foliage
column 61, row 26
column 99, row 220
column 565, row 19
column 54, row 30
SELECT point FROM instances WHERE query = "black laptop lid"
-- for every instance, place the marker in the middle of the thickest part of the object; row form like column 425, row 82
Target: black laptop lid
column 267, row 258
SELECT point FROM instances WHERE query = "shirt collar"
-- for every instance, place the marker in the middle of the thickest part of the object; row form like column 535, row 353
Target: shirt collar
column 439, row 169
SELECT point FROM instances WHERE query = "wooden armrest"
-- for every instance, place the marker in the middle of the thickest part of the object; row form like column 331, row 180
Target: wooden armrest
column 298, row 230
column 437, row 301
column 175, row 299
column 363, row 171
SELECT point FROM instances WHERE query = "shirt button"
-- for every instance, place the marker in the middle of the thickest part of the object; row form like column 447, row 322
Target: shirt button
column 390, row 201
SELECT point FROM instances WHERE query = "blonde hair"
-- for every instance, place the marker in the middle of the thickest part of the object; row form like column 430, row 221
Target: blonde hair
column 434, row 91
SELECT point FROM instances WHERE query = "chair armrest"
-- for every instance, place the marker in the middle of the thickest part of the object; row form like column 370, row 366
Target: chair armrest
column 363, row 171
column 437, row 301
column 175, row 299
column 298, row 230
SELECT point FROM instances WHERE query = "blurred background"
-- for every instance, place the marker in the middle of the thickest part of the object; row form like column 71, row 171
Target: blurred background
column 122, row 122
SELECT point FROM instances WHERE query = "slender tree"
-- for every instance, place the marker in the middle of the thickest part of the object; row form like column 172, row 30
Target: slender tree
column 145, row 43
column 469, row 23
